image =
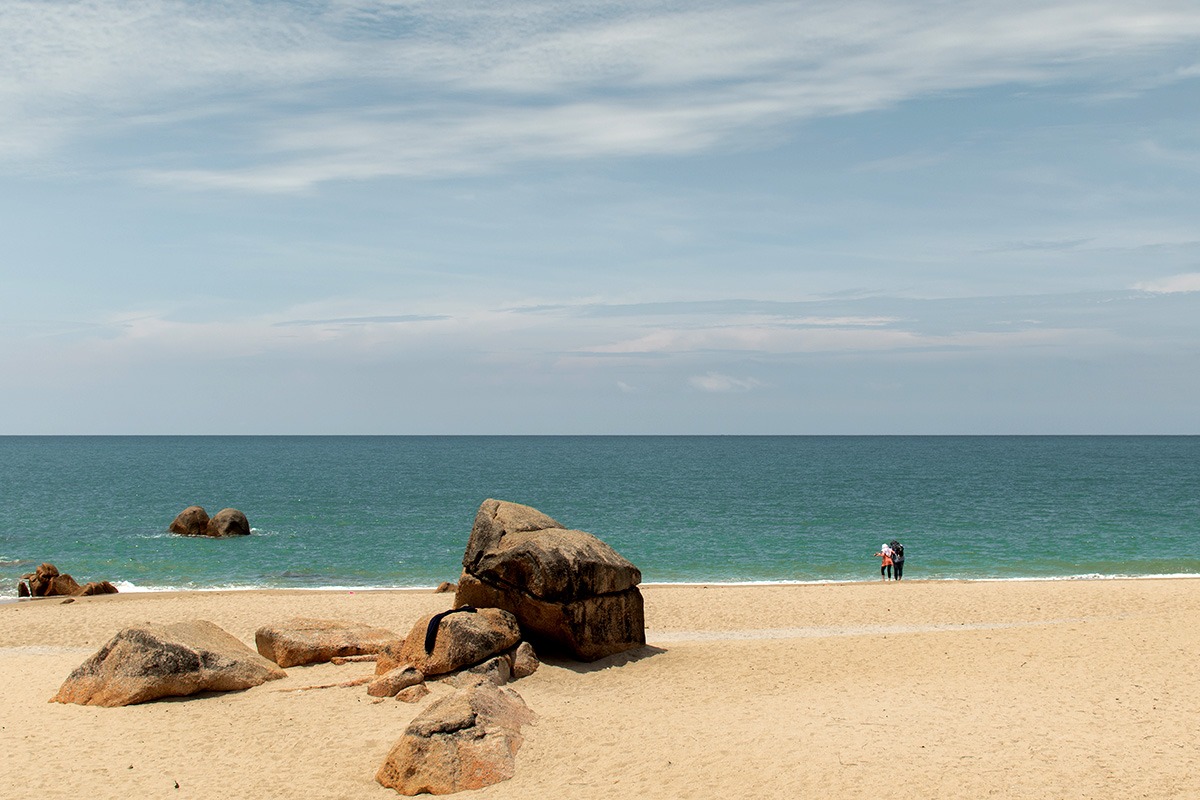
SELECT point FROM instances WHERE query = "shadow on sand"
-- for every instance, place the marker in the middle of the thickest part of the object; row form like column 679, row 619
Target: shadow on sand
column 608, row 662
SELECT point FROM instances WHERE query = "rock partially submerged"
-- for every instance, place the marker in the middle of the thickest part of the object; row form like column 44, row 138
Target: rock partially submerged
column 467, row 740
column 457, row 638
column 228, row 522
column 313, row 641
column 568, row 590
column 47, row 581
column 194, row 521
column 152, row 661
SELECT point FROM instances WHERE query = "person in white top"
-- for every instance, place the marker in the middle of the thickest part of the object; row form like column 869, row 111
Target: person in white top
column 885, row 569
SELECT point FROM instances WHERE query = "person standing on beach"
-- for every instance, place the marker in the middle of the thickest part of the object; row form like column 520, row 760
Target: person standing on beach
column 897, row 559
column 885, row 569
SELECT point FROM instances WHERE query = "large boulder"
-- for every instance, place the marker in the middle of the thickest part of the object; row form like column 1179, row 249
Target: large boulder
column 152, row 661
column 569, row 591
column 228, row 522
column 192, row 521
column 467, row 740
column 314, row 641
column 459, row 638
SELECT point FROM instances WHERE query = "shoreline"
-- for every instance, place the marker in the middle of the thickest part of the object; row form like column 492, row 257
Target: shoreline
column 127, row 588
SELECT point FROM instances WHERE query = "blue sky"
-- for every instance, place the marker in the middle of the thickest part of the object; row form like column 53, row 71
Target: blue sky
column 344, row 216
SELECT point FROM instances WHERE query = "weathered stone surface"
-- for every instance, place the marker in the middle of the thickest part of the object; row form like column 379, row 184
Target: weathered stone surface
column 391, row 683
column 228, row 522
column 314, row 641
column 97, row 587
column 467, row 740
column 463, row 638
column 152, row 661
column 570, row 591
column 498, row 670
column 413, row 694
column 445, row 586
column 524, row 661
column 47, row 581
column 192, row 521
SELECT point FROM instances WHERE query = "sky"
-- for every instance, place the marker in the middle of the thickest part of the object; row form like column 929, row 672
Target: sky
column 411, row 217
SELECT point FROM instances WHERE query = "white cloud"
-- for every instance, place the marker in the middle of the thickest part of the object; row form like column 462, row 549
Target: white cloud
column 1186, row 282
column 308, row 93
column 716, row 382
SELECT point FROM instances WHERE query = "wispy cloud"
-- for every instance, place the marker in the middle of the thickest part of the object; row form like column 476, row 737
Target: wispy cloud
column 377, row 320
column 1187, row 282
column 716, row 382
column 349, row 89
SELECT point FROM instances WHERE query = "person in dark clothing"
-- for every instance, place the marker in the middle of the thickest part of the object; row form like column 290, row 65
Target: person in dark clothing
column 897, row 559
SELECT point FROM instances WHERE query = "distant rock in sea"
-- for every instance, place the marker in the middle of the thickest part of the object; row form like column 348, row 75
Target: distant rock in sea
column 194, row 521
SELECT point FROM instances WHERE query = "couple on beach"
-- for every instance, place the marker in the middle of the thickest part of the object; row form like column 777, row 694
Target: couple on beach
column 892, row 554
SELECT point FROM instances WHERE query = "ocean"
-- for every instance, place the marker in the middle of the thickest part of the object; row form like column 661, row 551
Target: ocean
column 382, row 511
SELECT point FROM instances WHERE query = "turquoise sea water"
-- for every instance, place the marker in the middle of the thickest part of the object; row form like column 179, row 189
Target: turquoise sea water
column 396, row 511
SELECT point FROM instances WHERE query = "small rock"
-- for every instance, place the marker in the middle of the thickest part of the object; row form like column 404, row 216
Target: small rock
column 389, row 684
column 446, row 586
column 498, row 670
column 413, row 694
column 524, row 661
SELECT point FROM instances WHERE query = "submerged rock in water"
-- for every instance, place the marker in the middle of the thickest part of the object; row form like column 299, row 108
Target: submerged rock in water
column 194, row 521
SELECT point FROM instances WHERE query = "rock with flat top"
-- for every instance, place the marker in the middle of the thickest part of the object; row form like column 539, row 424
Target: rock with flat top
column 152, row 661
column 467, row 740
column 301, row 640
column 570, row 592
column 460, row 639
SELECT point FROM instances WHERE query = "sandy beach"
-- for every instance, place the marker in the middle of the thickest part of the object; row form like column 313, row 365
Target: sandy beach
column 918, row 689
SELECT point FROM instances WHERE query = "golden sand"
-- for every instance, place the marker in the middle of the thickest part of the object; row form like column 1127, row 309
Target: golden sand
column 1056, row 689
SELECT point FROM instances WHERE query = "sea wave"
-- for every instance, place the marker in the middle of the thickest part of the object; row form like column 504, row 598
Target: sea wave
column 129, row 587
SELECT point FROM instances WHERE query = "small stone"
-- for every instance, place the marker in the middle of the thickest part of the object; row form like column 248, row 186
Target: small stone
column 413, row 694
column 524, row 661
column 389, row 684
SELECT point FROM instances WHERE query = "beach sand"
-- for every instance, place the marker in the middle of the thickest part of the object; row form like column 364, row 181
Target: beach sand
column 1038, row 689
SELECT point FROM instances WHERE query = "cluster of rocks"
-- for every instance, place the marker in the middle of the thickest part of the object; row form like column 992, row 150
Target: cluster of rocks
column 526, row 581
column 47, row 581
column 194, row 521
column 570, row 592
